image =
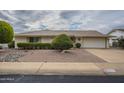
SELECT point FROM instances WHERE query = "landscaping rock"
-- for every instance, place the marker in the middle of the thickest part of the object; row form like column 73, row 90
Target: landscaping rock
column 12, row 57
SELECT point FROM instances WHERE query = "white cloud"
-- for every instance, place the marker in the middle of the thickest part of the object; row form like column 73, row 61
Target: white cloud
column 8, row 14
column 26, row 20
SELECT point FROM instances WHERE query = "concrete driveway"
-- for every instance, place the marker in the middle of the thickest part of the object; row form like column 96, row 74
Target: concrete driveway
column 110, row 55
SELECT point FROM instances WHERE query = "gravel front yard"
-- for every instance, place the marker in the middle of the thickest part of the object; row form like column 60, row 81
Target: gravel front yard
column 76, row 55
column 11, row 55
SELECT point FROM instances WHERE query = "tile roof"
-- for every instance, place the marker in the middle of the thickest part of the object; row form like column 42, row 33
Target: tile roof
column 114, row 30
column 78, row 33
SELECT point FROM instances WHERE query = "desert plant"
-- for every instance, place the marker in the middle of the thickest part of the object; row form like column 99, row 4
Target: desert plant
column 62, row 42
column 6, row 32
column 78, row 45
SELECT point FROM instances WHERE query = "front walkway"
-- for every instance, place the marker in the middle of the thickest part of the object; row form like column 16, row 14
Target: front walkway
column 42, row 68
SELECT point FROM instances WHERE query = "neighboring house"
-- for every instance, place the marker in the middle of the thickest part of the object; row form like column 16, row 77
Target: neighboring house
column 88, row 39
column 114, row 35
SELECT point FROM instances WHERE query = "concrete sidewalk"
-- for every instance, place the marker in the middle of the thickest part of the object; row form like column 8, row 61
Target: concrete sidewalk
column 42, row 68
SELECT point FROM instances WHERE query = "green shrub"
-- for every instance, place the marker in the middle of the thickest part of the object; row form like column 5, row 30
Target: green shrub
column 0, row 47
column 62, row 42
column 115, row 44
column 45, row 46
column 26, row 45
column 34, row 45
column 6, row 32
column 11, row 44
column 121, row 42
column 21, row 45
column 78, row 45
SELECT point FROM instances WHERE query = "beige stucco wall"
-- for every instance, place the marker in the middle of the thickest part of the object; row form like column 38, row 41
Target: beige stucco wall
column 79, row 41
column 46, row 39
column 25, row 39
column 20, row 39
column 86, row 42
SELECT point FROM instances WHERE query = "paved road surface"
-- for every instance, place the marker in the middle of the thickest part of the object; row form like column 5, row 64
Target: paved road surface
column 59, row 79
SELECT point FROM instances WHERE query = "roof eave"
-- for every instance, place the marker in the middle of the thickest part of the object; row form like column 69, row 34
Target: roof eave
column 20, row 35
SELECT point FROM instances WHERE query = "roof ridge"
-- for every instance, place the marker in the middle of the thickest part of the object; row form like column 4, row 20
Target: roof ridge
column 59, row 30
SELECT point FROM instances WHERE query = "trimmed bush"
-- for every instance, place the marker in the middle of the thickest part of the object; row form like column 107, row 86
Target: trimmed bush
column 45, row 46
column 6, row 32
column 62, row 42
column 34, row 45
column 21, row 45
column 11, row 44
column 78, row 45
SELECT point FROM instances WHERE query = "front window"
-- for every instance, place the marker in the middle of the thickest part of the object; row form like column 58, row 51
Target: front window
column 33, row 39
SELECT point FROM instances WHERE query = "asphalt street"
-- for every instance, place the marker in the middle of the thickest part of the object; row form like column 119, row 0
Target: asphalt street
column 60, row 79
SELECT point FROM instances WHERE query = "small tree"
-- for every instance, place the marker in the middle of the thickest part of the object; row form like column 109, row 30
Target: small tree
column 6, row 32
column 62, row 42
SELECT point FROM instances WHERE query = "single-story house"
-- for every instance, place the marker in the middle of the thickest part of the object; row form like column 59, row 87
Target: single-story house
column 114, row 35
column 87, row 39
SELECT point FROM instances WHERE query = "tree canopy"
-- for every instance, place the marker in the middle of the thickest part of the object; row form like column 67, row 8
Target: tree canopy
column 62, row 42
column 6, row 32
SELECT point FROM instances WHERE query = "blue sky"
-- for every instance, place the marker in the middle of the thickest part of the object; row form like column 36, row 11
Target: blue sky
column 29, row 20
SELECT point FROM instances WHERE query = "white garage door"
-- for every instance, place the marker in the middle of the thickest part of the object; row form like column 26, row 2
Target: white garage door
column 94, row 43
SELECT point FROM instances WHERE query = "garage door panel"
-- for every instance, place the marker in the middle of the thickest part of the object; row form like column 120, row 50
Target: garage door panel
column 94, row 43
